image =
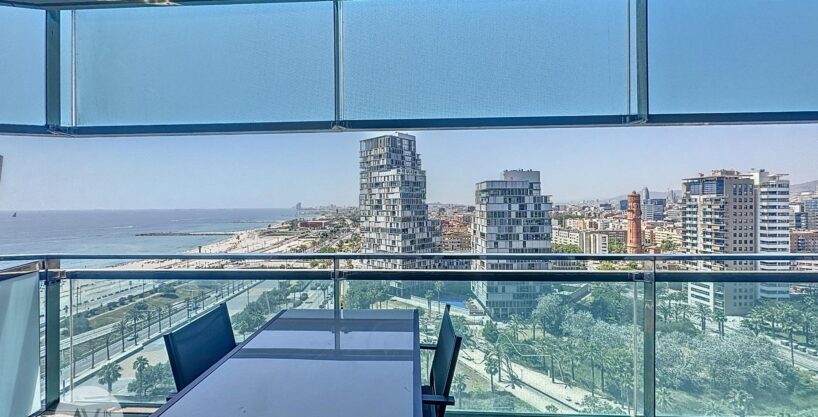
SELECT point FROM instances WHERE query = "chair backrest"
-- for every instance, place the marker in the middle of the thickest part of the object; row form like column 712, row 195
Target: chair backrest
column 198, row 345
column 445, row 359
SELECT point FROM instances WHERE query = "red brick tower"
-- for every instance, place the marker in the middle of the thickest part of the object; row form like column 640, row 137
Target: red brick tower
column 634, row 223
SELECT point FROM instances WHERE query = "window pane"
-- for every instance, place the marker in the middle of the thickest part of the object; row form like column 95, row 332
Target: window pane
column 487, row 58
column 733, row 56
column 216, row 64
column 22, row 66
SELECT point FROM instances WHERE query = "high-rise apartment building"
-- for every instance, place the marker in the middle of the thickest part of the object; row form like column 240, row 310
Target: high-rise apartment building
column 772, row 224
column 511, row 216
column 719, row 217
column 392, row 202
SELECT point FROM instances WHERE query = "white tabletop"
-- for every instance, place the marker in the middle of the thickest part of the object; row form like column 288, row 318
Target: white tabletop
column 315, row 363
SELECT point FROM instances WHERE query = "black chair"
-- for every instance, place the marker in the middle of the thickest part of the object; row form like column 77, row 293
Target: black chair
column 198, row 345
column 436, row 395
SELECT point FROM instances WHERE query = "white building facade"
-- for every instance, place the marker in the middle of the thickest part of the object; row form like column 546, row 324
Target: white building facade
column 511, row 216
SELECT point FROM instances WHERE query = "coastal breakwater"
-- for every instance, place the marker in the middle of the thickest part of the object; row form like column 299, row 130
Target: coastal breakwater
column 188, row 234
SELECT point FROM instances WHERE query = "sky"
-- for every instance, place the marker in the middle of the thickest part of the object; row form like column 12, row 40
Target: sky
column 279, row 170
column 238, row 63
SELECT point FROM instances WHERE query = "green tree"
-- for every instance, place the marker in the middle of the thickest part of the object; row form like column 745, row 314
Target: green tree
column 664, row 400
column 108, row 374
column 739, row 401
column 668, row 246
column 720, row 319
column 490, row 332
column 562, row 248
column 516, row 324
column 430, row 295
column 438, row 289
column 492, row 368
column 140, row 364
column 551, row 311
column 122, row 327
column 459, row 385
column 702, row 312
column 616, row 246
column 789, row 324
column 606, row 266
column 150, row 380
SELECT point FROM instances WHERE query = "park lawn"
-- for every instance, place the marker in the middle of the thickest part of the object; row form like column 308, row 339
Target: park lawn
column 478, row 395
column 766, row 403
column 155, row 301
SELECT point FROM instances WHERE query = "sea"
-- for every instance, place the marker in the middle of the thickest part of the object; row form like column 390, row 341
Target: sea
column 117, row 231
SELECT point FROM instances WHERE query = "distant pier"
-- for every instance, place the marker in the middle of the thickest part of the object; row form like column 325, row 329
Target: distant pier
column 187, row 234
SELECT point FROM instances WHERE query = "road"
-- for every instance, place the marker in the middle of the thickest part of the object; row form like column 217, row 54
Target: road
column 143, row 335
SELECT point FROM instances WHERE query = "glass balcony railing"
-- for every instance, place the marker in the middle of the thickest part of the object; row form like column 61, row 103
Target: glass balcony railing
column 638, row 335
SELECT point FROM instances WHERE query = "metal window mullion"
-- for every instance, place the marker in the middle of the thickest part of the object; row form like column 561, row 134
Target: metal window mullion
column 52, row 70
column 338, row 33
column 642, row 96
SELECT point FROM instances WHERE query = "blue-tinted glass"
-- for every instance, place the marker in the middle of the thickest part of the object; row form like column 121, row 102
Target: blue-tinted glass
column 22, row 66
column 484, row 58
column 733, row 56
column 216, row 64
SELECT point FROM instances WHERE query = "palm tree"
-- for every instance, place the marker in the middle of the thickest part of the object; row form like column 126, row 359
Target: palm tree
column 140, row 364
column 664, row 400
column 122, row 326
column 498, row 353
column 429, row 296
column 438, row 289
column 108, row 374
column 807, row 318
column 107, row 338
column 702, row 312
column 713, row 408
column 492, row 368
column 533, row 322
column 755, row 324
column 720, row 318
column 684, row 310
column 789, row 325
column 739, row 400
column 92, row 346
column 459, row 382
column 516, row 324
column 134, row 315
column 665, row 310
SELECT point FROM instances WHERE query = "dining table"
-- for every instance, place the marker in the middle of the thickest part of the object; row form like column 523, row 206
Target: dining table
column 314, row 363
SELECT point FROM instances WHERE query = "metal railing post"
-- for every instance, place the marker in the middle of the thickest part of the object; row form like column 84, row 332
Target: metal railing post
column 336, row 284
column 649, row 340
column 52, row 332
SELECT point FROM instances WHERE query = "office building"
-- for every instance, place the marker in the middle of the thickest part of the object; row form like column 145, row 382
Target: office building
column 811, row 213
column 644, row 194
column 511, row 216
column 653, row 209
column 798, row 217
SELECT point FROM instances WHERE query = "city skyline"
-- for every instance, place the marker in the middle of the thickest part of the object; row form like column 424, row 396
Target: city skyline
column 256, row 171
